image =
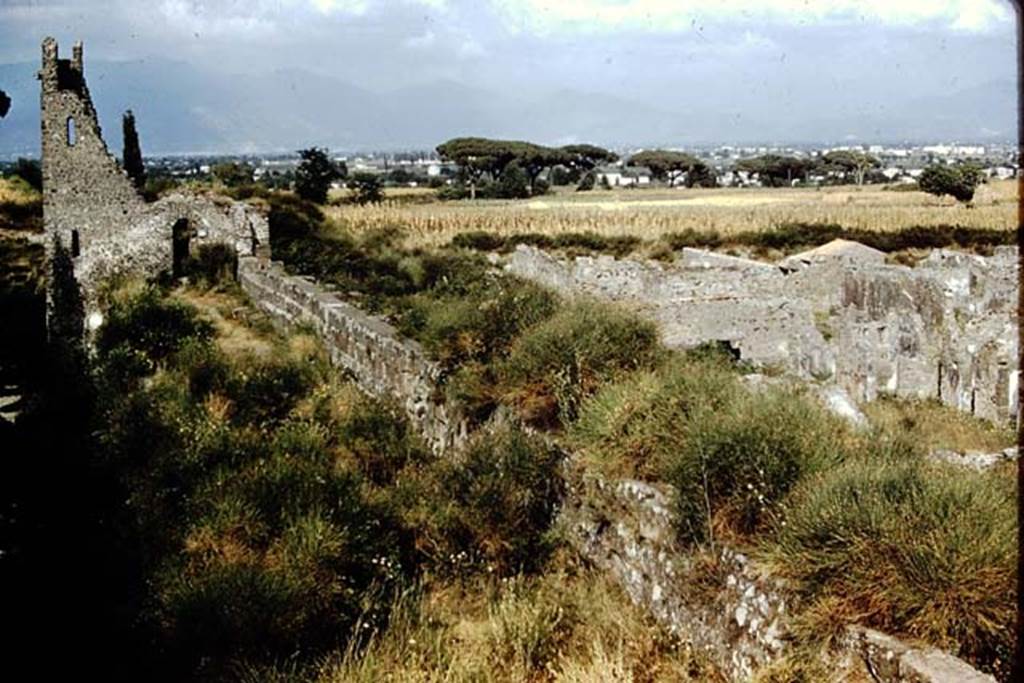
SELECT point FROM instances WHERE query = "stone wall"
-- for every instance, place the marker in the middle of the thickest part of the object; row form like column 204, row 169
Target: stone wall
column 945, row 329
column 93, row 210
column 735, row 616
column 731, row 611
column 84, row 188
column 381, row 362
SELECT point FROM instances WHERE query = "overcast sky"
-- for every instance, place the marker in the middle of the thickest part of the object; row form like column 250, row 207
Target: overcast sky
column 807, row 52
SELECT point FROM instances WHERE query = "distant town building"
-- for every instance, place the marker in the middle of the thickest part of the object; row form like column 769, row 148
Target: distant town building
column 623, row 176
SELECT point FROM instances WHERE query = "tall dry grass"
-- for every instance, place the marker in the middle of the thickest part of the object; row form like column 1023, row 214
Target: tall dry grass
column 564, row 627
column 650, row 214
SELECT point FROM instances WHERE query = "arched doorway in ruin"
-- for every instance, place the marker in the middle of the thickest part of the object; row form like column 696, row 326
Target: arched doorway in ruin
column 181, row 236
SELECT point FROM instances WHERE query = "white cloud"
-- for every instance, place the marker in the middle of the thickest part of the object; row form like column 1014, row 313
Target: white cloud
column 216, row 19
column 424, row 40
column 360, row 7
column 547, row 16
column 356, row 7
column 470, row 49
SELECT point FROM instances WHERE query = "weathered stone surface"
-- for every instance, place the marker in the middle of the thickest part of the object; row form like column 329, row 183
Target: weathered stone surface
column 976, row 460
column 382, row 363
column 832, row 397
column 702, row 258
column 836, row 250
column 946, row 329
column 838, row 402
column 626, row 529
column 889, row 660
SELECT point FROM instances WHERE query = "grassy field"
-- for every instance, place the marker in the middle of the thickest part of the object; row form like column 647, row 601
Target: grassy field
column 651, row 213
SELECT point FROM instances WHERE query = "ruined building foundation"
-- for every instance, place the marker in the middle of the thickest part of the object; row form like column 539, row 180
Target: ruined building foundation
column 946, row 329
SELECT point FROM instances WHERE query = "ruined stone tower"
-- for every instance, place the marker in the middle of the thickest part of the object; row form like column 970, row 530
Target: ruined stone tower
column 92, row 210
column 85, row 192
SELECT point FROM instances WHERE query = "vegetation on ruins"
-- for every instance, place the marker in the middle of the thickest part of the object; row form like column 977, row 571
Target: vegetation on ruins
column 743, row 465
column 274, row 523
column 838, row 512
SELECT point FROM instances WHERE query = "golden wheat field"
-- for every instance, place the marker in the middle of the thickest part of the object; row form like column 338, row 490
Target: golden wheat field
column 650, row 213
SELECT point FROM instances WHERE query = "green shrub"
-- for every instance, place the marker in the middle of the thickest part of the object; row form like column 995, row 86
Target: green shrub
column 530, row 629
column 481, row 322
column 380, row 439
column 493, row 507
column 513, row 183
column 695, row 239
column 213, row 264
column 588, row 242
column 364, row 188
column 266, row 391
column 895, row 544
column 636, row 426
column 553, row 366
column 480, row 240
column 291, row 218
column 150, row 324
column 205, row 368
column 122, row 370
column 230, row 609
column 736, row 464
column 792, row 236
column 285, row 552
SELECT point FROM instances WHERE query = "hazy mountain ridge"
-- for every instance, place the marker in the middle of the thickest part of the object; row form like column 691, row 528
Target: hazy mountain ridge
column 183, row 109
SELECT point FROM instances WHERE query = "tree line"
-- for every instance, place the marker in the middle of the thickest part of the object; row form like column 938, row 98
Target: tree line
column 513, row 168
column 501, row 163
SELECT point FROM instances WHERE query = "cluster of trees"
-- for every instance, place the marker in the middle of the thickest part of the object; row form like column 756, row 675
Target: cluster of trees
column 671, row 167
column 958, row 181
column 774, row 170
column 311, row 180
column 512, row 168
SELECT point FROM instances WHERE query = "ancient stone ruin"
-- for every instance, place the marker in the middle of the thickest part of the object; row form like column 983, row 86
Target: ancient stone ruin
column 840, row 314
column 92, row 209
column 945, row 329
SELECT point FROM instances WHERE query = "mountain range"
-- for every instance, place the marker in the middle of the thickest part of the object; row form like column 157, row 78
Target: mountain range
column 182, row 109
